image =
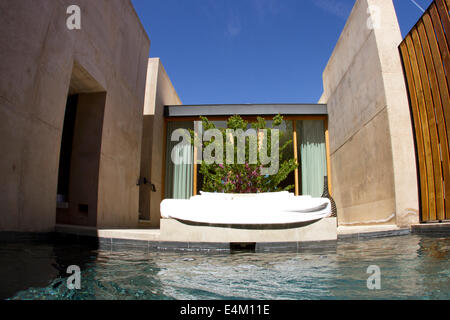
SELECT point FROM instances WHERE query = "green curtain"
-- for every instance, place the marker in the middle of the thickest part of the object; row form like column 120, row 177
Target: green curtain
column 312, row 153
column 179, row 175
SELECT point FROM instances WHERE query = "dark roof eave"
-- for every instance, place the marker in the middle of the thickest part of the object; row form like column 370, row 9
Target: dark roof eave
column 245, row 110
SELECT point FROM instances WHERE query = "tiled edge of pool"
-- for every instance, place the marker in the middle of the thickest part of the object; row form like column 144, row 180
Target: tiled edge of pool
column 116, row 244
column 431, row 228
column 376, row 234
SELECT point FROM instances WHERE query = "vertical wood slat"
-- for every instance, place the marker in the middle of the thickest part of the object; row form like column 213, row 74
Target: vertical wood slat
column 440, row 36
column 440, row 118
column 443, row 13
column 426, row 61
column 294, row 139
column 428, row 109
column 418, row 130
column 425, row 130
column 436, row 56
column 440, row 22
column 196, row 158
column 195, row 171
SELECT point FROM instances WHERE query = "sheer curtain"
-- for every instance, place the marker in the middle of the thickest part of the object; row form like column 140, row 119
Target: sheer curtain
column 312, row 154
column 179, row 170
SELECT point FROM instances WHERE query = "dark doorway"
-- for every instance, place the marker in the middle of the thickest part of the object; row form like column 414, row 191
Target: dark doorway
column 66, row 151
column 78, row 174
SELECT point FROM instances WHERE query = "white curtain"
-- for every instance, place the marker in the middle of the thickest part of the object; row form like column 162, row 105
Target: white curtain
column 179, row 172
column 313, row 159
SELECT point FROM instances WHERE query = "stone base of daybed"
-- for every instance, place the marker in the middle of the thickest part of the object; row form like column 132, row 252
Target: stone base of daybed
column 183, row 231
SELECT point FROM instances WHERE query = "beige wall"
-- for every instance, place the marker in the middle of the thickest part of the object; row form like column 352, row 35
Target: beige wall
column 371, row 140
column 38, row 54
column 159, row 92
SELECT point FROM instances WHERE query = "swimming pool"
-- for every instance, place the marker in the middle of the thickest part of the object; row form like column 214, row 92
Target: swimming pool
column 412, row 267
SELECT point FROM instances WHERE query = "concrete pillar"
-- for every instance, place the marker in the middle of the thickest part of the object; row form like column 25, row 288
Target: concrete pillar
column 371, row 139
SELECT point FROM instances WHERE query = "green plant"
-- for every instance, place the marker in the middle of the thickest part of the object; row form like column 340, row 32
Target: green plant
column 246, row 177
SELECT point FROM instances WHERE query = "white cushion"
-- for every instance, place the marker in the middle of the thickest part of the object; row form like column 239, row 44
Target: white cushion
column 215, row 195
column 272, row 195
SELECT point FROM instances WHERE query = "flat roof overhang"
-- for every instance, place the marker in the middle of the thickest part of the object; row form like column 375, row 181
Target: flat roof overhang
column 245, row 110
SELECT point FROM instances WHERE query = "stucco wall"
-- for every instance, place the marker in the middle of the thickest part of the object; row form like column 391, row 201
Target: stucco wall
column 38, row 54
column 159, row 92
column 371, row 140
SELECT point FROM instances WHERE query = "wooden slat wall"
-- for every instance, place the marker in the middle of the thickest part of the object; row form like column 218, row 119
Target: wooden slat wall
column 294, row 139
column 426, row 61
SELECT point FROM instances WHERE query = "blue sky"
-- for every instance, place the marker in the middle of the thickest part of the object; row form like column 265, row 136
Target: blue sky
column 250, row 51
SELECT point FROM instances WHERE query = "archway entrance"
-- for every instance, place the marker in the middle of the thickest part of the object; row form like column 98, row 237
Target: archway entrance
column 79, row 162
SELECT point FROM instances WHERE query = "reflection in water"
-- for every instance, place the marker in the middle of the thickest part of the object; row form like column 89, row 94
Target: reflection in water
column 397, row 259
column 24, row 265
column 32, row 263
column 434, row 266
column 108, row 276
column 411, row 267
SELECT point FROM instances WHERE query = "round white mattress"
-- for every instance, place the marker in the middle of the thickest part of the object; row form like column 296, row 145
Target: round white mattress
column 248, row 210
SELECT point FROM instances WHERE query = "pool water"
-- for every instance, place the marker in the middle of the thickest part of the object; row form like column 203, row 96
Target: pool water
column 412, row 267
